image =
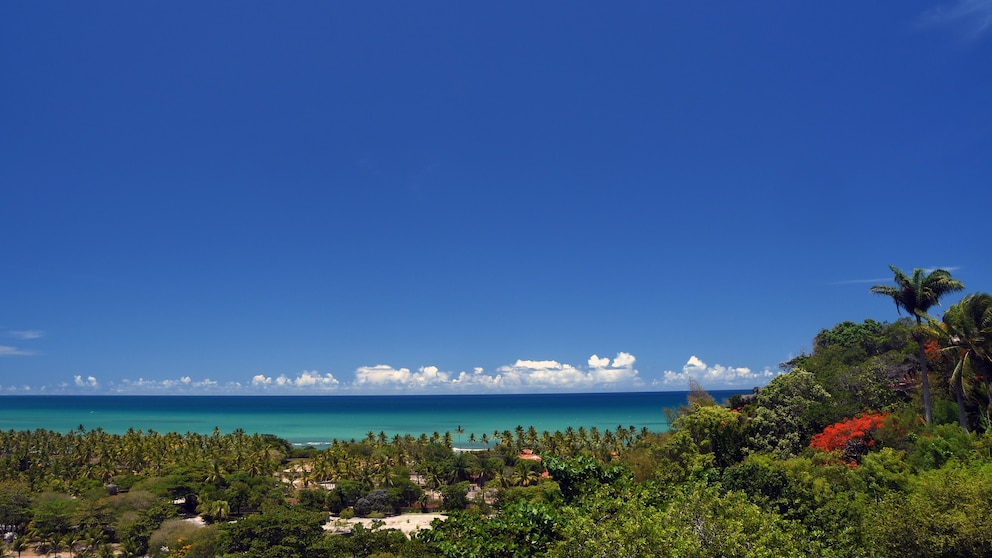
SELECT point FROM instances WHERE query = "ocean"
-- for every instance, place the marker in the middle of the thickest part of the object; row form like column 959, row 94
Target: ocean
column 316, row 420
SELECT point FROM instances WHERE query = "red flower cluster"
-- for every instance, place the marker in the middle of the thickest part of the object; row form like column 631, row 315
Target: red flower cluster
column 938, row 357
column 839, row 435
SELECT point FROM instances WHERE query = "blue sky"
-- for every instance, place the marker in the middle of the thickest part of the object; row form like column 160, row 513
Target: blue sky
column 398, row 197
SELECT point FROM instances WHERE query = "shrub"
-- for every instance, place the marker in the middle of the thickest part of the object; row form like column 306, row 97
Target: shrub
column 852, row 436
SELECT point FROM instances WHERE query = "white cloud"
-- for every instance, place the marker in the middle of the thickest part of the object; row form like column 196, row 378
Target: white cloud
column 306, row 380
column 716, row 376
column 623, row 360
column 969, row 18
column 596, row 362
column 184, row 385
column 26, row 334
column 384, row 375
column 90, row 381
column 6, row 350
column 521, row 376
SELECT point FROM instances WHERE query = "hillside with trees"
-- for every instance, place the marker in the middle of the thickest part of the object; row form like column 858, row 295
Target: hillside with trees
column 878, row 442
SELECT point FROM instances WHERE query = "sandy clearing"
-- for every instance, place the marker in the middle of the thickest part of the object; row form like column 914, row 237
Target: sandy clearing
column 408, row 522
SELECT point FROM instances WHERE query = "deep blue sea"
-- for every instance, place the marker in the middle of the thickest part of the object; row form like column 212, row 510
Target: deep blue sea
column 319, row 419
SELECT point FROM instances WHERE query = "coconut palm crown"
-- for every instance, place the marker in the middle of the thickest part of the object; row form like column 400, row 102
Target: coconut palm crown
column 916, row 295
column 965, row 333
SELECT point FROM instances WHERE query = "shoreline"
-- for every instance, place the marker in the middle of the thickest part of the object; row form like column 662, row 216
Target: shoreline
column 316, row 421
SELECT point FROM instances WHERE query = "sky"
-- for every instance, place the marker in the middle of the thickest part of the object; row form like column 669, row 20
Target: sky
column 450, row 197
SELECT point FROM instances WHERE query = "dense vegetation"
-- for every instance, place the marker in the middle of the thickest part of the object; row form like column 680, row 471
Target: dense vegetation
column 844, row 454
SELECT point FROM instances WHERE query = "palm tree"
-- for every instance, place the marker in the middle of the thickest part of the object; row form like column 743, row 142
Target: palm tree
column 20, row 545
column 215, row 510
column 916, row 295
column 966, row 333
column 70, row 540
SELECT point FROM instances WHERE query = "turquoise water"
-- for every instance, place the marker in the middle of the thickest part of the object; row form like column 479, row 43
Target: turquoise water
column 319, row 419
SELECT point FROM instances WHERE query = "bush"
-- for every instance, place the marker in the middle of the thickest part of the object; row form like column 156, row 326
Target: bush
column 851, row 436
column 455, row 496
column 946, row 442
column 945, row 513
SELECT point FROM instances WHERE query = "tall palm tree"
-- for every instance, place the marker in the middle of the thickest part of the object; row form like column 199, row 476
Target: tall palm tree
column 916, row 295
column 966, row 333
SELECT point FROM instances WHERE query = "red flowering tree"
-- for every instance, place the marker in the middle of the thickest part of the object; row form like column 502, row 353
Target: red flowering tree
column 852, row 436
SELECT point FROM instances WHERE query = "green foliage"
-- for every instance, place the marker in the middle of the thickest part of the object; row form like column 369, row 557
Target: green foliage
column 344, row 495
column 860, row 340
column 715, row 430
column 520, row 530
column 760, row 480
column 274, row 532
column 52, row 514
column 946, row 513
column 611, row 526
column 916, row 295
column 545, row 492
column 15, row 503
column 697, row 521
column 404, row 493
column 944, row 442
column 581, row 474
column 679, row 459
column 376, row 501
column 828, row 499
column 786, row 414
column 177, row 533
column 884, row 471
column 313, row 499
column 135, row 528
column 455, row 496
column 858, row 365
column 376, row 540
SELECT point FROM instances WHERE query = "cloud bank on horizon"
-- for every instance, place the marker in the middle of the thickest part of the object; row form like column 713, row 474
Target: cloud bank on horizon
column 523, row 376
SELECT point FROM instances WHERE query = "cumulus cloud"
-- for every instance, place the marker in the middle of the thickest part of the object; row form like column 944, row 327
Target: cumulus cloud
column 522, row 375
column 596, row 362
column 384, row 375
column 261, row 380
column 89, row 381
column 183, row 385
column 26, row 334
column 716, row 376
column 306, row 380
column 15, row 389
column 6, row 350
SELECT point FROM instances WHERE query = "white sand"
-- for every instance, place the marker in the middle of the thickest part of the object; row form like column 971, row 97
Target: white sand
column 407, row 523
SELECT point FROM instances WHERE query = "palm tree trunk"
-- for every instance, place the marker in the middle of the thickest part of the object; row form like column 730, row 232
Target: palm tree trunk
column 959, row 392
column 927, row 409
